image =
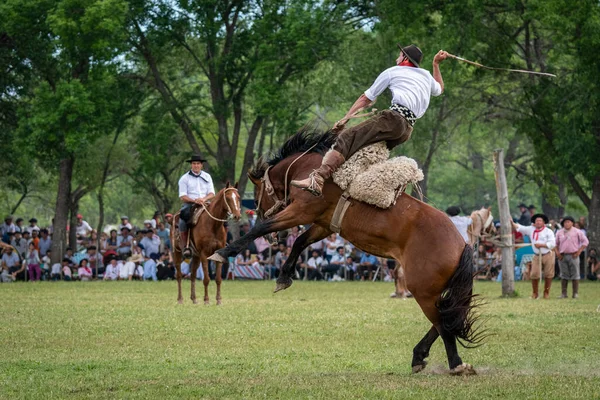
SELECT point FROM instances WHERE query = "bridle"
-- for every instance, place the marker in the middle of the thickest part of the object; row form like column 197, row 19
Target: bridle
column 267, row 186
column 229, row 211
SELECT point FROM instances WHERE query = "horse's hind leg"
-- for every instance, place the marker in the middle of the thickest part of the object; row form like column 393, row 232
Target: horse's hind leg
column 218, row 279
column 457, row 367
column 177, row 260
column 312, row 235
column 206, row 279
column 421, row 350
column 193, row 270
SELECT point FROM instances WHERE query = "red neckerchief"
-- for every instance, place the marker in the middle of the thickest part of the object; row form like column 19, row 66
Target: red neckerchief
column 407, row 63
column 536, row 233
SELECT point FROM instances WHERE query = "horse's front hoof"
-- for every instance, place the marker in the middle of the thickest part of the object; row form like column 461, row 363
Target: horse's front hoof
column 216, row 257
column 194, row 301
column 219, row 302
column 464, row 369
column 180, row 301
column 206, row 302
column 419, row 367
column 283, row 283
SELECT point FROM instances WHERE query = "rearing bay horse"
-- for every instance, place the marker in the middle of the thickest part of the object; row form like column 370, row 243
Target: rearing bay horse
column 206, row 236
column 437, row 264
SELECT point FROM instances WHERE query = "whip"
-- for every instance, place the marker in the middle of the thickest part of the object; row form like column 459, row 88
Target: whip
column 523, row 71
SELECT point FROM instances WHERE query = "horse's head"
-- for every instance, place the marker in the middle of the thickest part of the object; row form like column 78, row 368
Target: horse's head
column 262, row 201
column 483, row 223
column 233, row 201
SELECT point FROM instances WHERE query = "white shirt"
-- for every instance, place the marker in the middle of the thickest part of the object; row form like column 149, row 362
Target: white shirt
column 315, row 262
column 546, row 236
column 56, row 269
column 111, row 272
column 331, row 248
column 196, row 187
column 83, row 229
column 411, row 87
column 151, row 245
column 6, row 228
column 462, row 223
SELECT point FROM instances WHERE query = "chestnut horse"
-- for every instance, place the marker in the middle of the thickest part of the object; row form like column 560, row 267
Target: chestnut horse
column 437, row 263
column 206, row 236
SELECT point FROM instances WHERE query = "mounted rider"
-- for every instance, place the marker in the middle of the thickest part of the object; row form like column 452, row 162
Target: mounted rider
column 412, row 88
column 195, row 187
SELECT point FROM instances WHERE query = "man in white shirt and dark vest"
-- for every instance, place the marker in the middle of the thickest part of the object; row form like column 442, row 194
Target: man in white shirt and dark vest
column 461, row 223
column 195, row 187
column 543, row 241
column 412, row 88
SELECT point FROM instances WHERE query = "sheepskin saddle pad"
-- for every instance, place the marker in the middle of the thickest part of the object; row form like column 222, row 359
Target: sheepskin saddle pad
column 369, row 176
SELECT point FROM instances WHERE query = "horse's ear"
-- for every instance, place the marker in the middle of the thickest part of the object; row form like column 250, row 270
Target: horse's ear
column 227, row 185
column 236, row 185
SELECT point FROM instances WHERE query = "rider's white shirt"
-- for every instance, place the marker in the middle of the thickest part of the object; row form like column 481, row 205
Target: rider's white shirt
column 411, row 87
column 196, row 187
column 462, row 223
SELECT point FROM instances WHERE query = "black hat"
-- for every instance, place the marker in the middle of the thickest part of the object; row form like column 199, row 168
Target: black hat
column 567, row 218
column 33, row 220
column 539, row 215
column 196, row 157
column 125, row 227
column 414, row 54
column 453, row 211
column 531, row 206
column 522, row 205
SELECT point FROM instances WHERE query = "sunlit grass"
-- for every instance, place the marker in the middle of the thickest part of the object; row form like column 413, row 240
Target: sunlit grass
column 315, row 340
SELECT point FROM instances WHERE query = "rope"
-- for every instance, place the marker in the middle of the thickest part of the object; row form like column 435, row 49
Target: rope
column 227, row 204
column 523, row 71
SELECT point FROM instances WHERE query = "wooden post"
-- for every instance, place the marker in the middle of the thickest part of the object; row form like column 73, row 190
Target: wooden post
column 508, row 253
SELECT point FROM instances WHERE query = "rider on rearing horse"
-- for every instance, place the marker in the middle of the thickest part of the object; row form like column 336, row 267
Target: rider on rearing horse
column 195, row 187
column 411, row 88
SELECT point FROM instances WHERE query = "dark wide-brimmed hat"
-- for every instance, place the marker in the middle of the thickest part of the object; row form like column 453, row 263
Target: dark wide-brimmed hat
column 539, row 215
column 567, row 218
column 531, row 206
column 196, row 157
column 453, row 211
column 522, row 205
column 414, row 54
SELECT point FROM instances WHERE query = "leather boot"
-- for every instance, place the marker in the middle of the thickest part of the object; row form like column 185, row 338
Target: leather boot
column 575, row 288
column 563, row 286
column 187, row 252
column 314, row 183
column 535, row 284
column 547, row 285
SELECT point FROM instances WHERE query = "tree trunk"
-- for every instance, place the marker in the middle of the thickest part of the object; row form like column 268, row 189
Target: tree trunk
column 24, row 194
column 63, row 201
column 593, row 227
column 508, row 253
column 74, row 209
column 552, row 211
column 249, row 153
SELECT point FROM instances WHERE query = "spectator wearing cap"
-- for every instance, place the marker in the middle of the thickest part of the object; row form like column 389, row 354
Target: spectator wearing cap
column 543, row 241
column 251, row 217
column 32, row 225
column 461, row 223
column 83, row 229
column 45, row 243
column 150, row 267
column 19, row 243
column 124, row 243
column 19, row 225
column 525, row 218
column 151, row 242
column 125, row 223
column 570, row 243
column 7, row 227
column 531, row 208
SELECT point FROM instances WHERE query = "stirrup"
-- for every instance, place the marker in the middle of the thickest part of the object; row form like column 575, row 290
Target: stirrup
column 312, row 186
column 187, row 252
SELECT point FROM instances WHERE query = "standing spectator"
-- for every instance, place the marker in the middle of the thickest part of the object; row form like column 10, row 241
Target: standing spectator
column 19, row 225
column 155, row 220
column 594, row 266
column 150, row 267
column 251, row 218
column 124, row 243
column 531, row 209
column 35, row 239
column 84, row 271
column 525, row 217
column 32, row 225
column 66, row 269
column 125, row 224
column 331, row 244
column 292, row 236
column 543, row 241
column 570, row 243
column 112, row 243
column 10, row 265
column 164, row 235
column 367, row 263
column 45, row 242
column 7, row 227
column 83, row 229
column 169, row 221
column 151, row 243
column 19, row 244
column 461, row 223
column 33, row 263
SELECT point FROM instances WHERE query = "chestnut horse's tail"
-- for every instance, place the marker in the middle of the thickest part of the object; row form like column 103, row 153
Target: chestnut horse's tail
column 457, row 304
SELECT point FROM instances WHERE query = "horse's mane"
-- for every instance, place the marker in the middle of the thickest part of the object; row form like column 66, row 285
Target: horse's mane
column 301, row 141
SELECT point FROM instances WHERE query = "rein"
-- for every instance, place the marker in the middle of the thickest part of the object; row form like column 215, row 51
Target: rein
column 229, row 212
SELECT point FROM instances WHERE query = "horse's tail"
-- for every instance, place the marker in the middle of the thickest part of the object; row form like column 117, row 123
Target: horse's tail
column 457, row 304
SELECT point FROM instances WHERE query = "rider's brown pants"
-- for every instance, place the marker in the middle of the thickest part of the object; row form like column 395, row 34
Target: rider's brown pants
column 388, row 126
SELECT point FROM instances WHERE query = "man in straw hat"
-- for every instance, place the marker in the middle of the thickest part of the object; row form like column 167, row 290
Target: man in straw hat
column 570, row 243
column 195, row 187
column 543, row 241
column 411, row 87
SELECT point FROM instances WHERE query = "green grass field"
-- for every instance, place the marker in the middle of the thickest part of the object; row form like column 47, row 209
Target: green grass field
column 315, row 340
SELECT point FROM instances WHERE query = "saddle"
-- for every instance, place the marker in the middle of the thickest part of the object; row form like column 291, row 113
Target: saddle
column 195, row 217
column 372, row 177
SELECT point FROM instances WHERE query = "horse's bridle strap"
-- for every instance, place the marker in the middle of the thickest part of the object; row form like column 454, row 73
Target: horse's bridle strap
column 268, row 187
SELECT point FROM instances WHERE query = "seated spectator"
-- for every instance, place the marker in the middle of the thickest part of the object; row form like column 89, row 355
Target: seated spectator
column 314, row 265
column 337, row 262
column 185, row 269
column 367, row 263
column 281, row 256
column 45, row 242
column 292, row 236
column 95, row 261
column 112, row 271
column 83, row 229
column 350, row 268
column 69, row 254
column 124, row 243
column 331, row 244
column 150, row 267
column 19, row 243
column 33, row 263
column 594, row 268
column 164, row 269
column 7, row 227
column 129, row 270
column 84, row 271
column 151, row 242
column 67, row 272
column 245, row 259
column 11, row 265
column 112, row 241
column 56, row 269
